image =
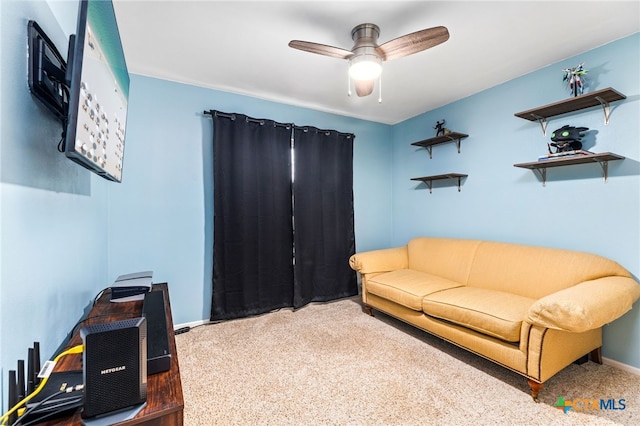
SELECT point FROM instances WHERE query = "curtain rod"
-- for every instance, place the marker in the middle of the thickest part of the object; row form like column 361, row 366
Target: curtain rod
column 215, row 113
column 249, row 119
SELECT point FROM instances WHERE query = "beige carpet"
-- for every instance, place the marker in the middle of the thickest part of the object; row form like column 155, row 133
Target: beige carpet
column 332, row 364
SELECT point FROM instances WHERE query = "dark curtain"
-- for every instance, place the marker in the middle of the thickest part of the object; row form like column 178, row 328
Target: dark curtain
column 283, row 232
column 324, row 236
column 253, row 243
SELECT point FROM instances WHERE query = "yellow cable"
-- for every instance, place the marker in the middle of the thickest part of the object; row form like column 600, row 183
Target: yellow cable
column 74, row 350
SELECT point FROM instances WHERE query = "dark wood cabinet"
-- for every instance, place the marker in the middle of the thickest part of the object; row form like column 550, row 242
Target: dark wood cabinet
column 165, row 402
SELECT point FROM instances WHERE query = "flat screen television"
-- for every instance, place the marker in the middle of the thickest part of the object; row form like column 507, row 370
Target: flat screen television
column 90, row 92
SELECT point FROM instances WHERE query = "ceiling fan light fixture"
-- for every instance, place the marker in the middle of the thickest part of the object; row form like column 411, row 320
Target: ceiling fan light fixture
column 365, row 67
column 366, row 57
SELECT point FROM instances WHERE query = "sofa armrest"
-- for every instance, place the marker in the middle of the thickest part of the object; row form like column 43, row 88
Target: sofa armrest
column 585, row 306
column 380, row 260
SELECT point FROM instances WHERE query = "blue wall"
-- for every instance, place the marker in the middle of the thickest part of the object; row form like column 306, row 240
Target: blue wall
column 66, row 233
column 53, row 213
column 161, row 216
column 575, row 210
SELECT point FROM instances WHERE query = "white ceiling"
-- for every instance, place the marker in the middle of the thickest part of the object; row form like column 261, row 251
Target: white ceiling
column 241, row 47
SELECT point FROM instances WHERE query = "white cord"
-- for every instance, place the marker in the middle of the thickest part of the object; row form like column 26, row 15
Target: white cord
column 348, row 78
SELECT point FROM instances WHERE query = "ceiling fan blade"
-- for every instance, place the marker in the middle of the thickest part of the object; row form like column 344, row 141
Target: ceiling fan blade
column 364, row 87
column 320, row 49
column 413, row 43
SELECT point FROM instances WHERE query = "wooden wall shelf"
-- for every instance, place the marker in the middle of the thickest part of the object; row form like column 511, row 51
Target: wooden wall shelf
column 541, row 166
column 449, row 137
column 600, row 97
column 429, row 179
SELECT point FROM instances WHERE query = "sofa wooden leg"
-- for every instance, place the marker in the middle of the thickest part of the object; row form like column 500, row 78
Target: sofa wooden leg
column 535, row 389
column 596, row 355
column 368, row 309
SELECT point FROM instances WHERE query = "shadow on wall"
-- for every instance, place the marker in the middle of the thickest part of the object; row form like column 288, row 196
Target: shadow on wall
column 30, row 133
column 30, row 157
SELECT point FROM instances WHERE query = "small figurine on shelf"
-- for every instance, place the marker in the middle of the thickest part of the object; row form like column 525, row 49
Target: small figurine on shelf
column 575, row 78
column 567, row 138
column 440, row 130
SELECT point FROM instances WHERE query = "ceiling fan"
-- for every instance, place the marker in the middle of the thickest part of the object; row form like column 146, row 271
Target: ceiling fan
column 366, row 56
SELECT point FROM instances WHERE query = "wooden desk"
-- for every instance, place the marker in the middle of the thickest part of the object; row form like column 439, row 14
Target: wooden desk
column 165, row 403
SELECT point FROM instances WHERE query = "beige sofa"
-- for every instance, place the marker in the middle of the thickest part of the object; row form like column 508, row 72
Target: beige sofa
column 531, row 309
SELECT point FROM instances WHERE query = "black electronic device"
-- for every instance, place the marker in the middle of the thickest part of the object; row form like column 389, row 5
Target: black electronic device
column 13, row 393
column 158, row 353
column 55, row 398
column 30, row 371
column 89, row 91
column 36, row 363
column 114, row 366
column 47, row 72
column 21, row 381
column 33, row 367
column 129, row 287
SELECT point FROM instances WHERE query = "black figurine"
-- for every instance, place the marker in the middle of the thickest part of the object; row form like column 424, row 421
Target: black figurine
column 440, row 128
column 567, row 138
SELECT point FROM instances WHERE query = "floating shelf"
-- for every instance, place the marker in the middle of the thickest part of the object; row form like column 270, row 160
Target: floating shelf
column 600, row 97
column 449, row 137
column 541, row 166
column 429, row 179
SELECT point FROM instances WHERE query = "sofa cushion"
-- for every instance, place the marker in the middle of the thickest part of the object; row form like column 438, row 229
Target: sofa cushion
column 490, row 312
column 407, row 287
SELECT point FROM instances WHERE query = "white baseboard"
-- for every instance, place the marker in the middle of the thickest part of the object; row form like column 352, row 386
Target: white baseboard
column 190, row 324
column 621, row 366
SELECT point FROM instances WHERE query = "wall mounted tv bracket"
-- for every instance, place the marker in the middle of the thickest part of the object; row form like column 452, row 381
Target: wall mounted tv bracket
column 48, row 78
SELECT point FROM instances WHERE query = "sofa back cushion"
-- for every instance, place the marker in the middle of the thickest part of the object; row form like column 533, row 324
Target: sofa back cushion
column 535, row 272
column 525, row 270
column 445, row 257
